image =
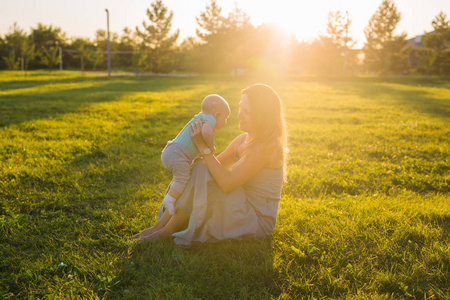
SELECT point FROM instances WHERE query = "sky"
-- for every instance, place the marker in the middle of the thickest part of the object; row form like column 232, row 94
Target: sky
column 305, row 19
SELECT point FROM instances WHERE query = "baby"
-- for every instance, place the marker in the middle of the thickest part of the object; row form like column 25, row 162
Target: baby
column 178, row 154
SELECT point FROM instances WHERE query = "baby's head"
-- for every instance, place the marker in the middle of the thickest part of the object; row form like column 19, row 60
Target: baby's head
column 218, row 107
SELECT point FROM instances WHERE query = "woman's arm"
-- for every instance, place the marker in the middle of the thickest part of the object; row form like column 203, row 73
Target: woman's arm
column 231, row 180
column 227, row 180
column 227, row 157
column 208, row 136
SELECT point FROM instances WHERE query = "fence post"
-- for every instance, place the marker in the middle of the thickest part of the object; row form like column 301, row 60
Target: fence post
column 60, row 59
column 109, row 48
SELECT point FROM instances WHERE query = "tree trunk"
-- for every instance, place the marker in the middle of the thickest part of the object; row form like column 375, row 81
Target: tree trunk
column 82, row 65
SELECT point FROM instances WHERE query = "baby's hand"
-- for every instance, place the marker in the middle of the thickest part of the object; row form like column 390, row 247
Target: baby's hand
column 196, row 128
column 196, row 134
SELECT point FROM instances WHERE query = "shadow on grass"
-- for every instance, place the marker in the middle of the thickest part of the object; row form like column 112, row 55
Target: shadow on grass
column 435, row 220
column 420, row 101
column 224, row 270
column 30, row 83
column 417, row 81
column 16, row 108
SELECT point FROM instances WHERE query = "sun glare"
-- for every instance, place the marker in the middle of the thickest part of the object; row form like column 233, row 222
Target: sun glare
column 307, row 20
column 303, row 20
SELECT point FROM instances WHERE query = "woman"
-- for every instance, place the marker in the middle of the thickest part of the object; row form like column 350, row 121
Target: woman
column 234, row 195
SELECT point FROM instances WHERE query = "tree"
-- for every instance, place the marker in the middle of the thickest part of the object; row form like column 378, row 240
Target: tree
column 272, row 50
column 46, row 39
column 384, row 52
column 44, row 36
column 28, row 52
column 100, row 44
column 15, row 37
column 237, row 35
column 127, row 43
column 156, row 39
column 98, row 58
column 210, row 22
column 14, row 40
column 340, row 42
column 139, row 58
column 84, row 51
column 425, row 57
column 210, row 33
column 188, row 55
column 437, row 42
column 11, row 62
column 101, row 48
column 50, row 57
column 3, row 53
column 330, row 51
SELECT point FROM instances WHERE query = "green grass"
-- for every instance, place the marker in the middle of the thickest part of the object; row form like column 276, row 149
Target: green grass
column 365, row 211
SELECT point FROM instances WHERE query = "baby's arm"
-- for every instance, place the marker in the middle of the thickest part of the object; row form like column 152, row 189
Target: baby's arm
column 208, row 136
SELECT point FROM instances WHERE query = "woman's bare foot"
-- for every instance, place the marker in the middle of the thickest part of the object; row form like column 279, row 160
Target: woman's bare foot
column 147, row 231
column 158, row 226
column 153, row 237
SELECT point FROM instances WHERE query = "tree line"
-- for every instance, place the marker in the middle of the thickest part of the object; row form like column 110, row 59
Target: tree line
column 232, row 44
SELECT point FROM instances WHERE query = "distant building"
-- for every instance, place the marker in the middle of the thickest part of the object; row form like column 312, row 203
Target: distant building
column 415, row 43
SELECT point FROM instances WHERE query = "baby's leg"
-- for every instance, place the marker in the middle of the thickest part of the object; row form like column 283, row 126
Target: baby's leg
column 170, row 199
column 181, row 170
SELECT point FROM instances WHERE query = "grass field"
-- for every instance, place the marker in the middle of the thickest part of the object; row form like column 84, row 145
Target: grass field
column 364, row 214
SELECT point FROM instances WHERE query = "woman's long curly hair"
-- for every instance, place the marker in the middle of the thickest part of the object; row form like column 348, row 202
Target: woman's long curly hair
column 267, row 122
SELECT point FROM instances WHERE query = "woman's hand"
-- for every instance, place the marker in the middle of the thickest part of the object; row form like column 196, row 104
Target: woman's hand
column 196, row 134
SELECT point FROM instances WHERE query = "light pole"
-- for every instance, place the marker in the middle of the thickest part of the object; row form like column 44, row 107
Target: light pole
column 109, row 48
column 345, row 45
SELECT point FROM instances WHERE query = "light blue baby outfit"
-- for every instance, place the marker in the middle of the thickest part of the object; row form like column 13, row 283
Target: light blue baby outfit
column 184, row 137
column 178, row 154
